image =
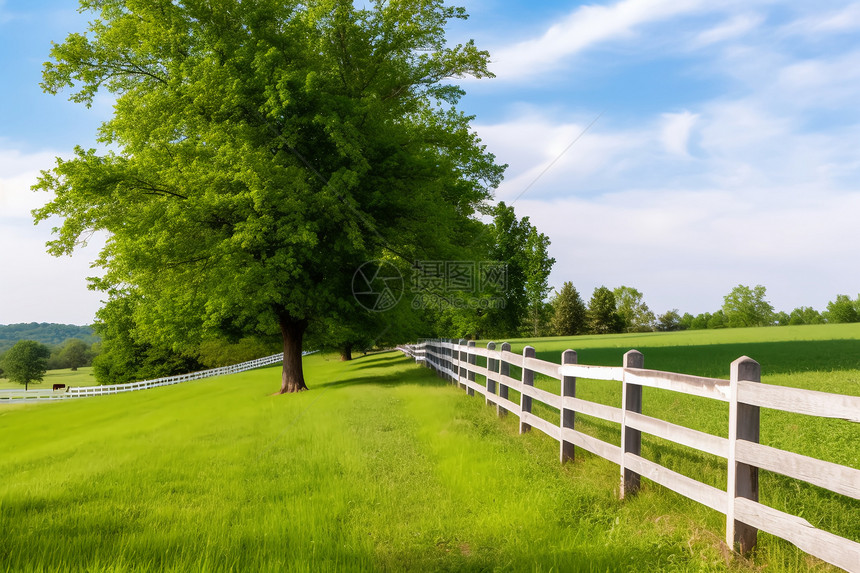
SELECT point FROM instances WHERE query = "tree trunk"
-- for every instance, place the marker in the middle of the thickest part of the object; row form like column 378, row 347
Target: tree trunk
column 292, row 378
column 346, row 352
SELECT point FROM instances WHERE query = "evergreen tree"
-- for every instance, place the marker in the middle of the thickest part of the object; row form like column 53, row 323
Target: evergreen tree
column 569, row 312
column 602, row 315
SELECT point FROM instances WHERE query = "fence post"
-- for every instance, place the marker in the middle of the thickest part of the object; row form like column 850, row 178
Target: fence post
column 471, row 359
column 504, row 370
column 453, row 357
column 631, row 440
column 568, row 388
column 528, row 380
column 742, row 478
column 463, row 357
column 491, row 368
column 455, row 362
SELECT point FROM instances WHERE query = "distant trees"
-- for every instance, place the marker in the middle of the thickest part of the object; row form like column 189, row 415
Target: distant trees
column 569, row 312
column 75, row 353
column 634, row 313
column 745, row 306
column 669, row 321
column 602, row 314
column 805, row 315
column 843, row 309
column 50, row 334
column 623, row 310
column 26, row 362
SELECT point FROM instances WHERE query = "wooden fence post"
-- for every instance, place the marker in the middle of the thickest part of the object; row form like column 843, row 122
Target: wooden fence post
column 471, row 359
column 631, row 440
column 528, row 380
column 504, row 370
column 742, row 478
column 463, row 358
column 449, row 361
column 568, row 388
column 455, row 361
column 492, row 368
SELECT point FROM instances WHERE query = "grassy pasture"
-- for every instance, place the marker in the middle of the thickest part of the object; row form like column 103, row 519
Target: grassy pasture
column 380, row 467
column 82, row 377
column 823, row 357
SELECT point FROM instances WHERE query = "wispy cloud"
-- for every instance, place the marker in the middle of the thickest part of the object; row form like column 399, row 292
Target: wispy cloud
column 730, row 29
column 845, row 19
column 748, row 185
column 585, row 27
column 676, row 130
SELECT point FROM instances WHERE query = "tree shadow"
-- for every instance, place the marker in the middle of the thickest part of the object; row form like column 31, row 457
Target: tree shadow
column 416, row 376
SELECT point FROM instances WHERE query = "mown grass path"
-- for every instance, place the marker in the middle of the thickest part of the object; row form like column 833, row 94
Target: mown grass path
column 381, row 467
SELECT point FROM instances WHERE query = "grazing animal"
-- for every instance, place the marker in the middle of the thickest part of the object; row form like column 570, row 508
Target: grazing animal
column 59, row 387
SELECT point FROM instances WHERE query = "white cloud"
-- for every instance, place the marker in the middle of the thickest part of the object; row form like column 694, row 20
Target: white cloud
column 844, row 20
column 731, row 29
column 763, row 201
column 18, row 172
column 676, row 131
column 546, row 156
column 583, row 28
column 34, row 286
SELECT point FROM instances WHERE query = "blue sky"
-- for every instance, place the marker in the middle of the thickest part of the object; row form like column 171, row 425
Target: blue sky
column 725, row 151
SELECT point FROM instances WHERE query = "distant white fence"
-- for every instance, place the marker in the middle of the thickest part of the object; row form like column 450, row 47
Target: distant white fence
column 85, row 391
column 744, row 455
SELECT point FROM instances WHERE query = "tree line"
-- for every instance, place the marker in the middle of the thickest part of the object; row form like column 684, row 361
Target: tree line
column 624, row 310
column 52, row 334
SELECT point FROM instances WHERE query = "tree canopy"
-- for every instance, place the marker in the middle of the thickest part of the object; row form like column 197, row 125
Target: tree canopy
column 746, row 306
column 260, row 152
column 843, row 309
column 631, row 307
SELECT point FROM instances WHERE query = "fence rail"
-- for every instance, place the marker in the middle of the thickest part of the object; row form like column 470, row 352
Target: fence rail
column 86, row 391
column 739, row 502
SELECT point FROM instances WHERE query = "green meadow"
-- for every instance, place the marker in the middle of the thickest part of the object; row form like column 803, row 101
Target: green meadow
column 382, row 466
column 80, row 377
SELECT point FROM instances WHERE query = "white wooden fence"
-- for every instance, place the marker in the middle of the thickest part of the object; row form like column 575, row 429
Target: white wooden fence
column 744, row 455
column 85, row 391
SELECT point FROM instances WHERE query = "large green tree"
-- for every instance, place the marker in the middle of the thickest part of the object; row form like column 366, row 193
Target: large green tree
column 746, row 306
column 260, row 151
column 26, row 362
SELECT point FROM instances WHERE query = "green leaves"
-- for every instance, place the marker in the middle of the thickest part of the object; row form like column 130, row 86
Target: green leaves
column 262, row 151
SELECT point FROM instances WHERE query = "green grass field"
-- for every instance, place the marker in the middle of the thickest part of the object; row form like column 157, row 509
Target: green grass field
column 381, row 467
column 81, row 377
